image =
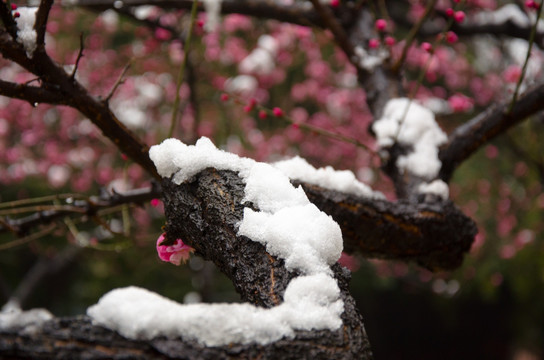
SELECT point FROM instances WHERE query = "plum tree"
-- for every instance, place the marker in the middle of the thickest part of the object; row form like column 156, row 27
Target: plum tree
column 400, row 92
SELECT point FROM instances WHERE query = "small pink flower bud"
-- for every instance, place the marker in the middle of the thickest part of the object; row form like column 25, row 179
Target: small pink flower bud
column 13, row 7
column 224, row 97
column 335, row 3
column 16, row 15
column 296, row 126
column 450, row 12
column 380, row 24
column 200, row 23
column 373, row 43
column 451, row 37
column 155, row 202
column 427, row 47
column 459, row 16
column 277, row 112
column 262, row 114
column 531, row 4
column 124, row 157
column 390, row 41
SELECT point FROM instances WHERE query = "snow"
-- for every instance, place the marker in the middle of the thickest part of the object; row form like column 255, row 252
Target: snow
column 436, row 187
column 344, row 181
column 15, row 318
column 26, row 35
column 261, row 59
column 244, row 84
column 213, row 12
column 297, row 234
column 288, row 225
column 310, row 302
column 408, row 123
column 508, row 12
column 369, row 61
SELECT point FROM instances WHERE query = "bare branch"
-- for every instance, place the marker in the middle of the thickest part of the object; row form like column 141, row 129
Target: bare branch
column 294, row 14
column 7, row 19
column 79, row 56
column 81, row 207
column 119, row 81
column 32, row 94
column 435, row 235
column 41, row 22
column 469, row 137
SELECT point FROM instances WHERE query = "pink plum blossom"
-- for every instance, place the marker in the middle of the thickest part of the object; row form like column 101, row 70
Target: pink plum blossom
column 176, row 254
column 460, row 103
column 512, row 74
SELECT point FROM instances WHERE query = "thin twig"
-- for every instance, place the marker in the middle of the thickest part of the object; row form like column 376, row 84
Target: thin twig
column 181, row 72
column 412, row 35
column 39, row 208
column 334, row 26
column 79, row 56
column 119, row 81
column 526, row 62
column 28, row 238
column 41, row 199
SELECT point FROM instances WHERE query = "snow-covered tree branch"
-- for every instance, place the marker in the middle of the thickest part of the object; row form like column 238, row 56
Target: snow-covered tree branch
column 277, row 228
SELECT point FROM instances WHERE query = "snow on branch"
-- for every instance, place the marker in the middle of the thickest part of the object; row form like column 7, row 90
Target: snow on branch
column 287, row 224
column 409, row 124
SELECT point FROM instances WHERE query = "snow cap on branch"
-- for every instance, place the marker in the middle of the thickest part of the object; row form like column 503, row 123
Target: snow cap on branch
column 288, row 225
column 26, row 35
column 213, row 12
column 310, row 302
column 344, row 181
column 408, row 123
column 286, row 218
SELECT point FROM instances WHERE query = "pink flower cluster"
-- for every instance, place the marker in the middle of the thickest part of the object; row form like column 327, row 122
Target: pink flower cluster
column 176, row 254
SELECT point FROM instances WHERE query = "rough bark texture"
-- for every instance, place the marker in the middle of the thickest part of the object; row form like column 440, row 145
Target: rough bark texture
column 205, row 213
column 433, row 233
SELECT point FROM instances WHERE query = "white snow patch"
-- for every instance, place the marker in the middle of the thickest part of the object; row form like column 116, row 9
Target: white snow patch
column 287, row 224
column 15, row 318
column 26, row 35
column 508, row 12
column 370, row 61
column 436, row 187
column 344, row 181
column 310, row 302
column 261, row 59
column 409, row 123
column 244, row 84
column 213, row 12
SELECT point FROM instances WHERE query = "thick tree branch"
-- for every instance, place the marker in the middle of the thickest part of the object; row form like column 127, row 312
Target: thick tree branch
column 32, row 94
column 294, row 14
column 41, row 21
column 469, row 137
column 435, row 235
